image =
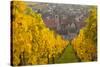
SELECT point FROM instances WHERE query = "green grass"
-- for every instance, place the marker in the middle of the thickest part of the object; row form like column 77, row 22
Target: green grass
column 68, row 56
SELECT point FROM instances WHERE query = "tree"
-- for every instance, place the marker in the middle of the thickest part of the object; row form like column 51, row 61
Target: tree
column 32, row 41
column 85, row 43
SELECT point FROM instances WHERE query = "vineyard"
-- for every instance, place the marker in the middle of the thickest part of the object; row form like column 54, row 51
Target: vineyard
column 85, row 43
column 34, row 43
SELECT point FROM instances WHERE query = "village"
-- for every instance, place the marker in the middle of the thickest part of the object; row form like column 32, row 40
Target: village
column 66, row 20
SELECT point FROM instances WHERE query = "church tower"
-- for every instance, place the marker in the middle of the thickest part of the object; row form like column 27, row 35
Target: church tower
column 57, row 22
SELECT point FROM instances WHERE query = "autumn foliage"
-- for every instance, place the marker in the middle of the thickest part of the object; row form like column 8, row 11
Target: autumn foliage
column 32, row 41
column 85, row 43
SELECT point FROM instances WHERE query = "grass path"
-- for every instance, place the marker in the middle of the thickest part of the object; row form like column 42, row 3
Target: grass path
column 68, row 56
